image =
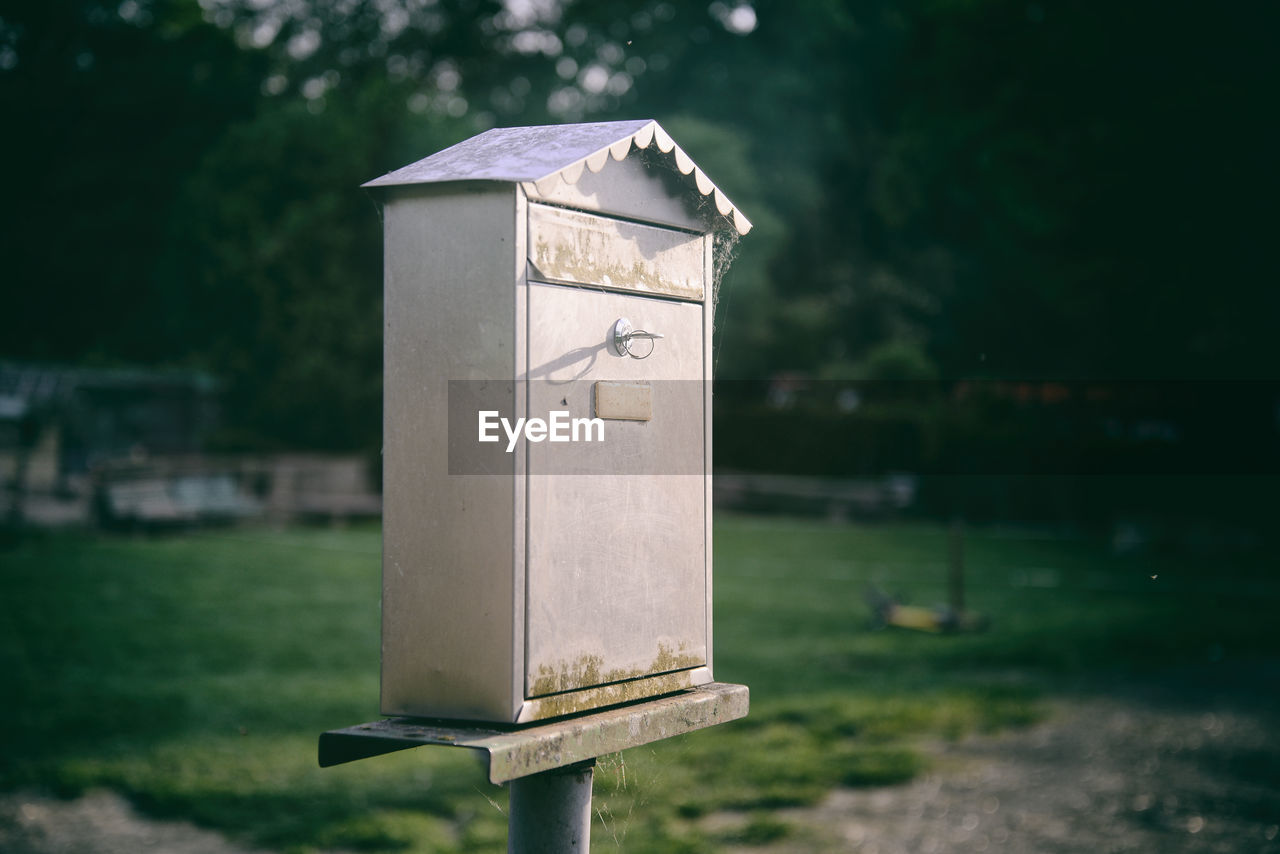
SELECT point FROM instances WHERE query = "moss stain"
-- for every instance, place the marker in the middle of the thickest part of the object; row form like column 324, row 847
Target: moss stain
column 608, row 695
column 587, row 672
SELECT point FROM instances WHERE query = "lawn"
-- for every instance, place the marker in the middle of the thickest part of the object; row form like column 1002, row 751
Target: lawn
column 193, row 673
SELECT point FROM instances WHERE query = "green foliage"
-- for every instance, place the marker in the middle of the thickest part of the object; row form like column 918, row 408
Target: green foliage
column 1085, row 206
column 109, row 117
column 282, row 298
column 949, row 179
column 898, row 360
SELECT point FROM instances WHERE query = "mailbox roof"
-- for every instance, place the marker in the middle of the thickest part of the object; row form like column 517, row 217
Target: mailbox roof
column 547, row 154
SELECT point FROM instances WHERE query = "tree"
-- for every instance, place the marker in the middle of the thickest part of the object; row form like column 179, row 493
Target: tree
column 111, row 106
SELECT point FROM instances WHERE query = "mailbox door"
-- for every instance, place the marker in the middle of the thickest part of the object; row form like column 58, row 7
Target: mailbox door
column 617, row 551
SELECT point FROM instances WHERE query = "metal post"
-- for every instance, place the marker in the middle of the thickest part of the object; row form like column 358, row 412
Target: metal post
column 551, row 812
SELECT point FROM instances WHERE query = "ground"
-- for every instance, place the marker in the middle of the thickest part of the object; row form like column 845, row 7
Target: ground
column 100, row 822
column 1143, row 771
column 1182, row 763
column 1120, row 700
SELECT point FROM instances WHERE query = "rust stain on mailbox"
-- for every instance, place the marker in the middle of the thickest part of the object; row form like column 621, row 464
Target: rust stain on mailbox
column 624, row 401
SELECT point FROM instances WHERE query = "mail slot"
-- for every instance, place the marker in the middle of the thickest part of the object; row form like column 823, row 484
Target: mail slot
column 561, row 272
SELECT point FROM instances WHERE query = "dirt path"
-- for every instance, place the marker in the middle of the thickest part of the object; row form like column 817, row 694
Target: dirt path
column 1100, row 775
column 98, row 823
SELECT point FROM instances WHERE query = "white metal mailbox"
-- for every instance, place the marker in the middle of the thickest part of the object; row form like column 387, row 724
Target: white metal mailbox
column 539, row 270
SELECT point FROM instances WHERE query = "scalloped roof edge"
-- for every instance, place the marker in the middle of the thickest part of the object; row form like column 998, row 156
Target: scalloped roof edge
column 544, row 155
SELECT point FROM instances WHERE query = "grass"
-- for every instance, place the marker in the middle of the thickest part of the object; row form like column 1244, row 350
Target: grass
column 194, row 673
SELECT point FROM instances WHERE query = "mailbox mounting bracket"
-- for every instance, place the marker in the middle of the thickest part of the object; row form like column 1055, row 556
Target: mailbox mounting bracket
column 520, row 751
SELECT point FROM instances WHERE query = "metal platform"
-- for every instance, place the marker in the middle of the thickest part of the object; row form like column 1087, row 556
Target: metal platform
column 515, row 752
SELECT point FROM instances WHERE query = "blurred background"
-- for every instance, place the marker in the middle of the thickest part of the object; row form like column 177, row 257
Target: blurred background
column 1003, row 338
column 992, row 238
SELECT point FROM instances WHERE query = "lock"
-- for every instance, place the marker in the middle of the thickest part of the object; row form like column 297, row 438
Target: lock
column 624, row 334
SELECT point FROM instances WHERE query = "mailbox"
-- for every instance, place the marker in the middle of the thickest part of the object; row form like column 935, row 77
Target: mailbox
column 543, row 273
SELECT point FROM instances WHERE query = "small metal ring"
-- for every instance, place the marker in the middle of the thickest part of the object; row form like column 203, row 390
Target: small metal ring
column 640, row 333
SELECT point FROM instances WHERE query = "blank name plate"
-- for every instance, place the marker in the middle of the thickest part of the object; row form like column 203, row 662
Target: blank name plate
column 624, row 401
